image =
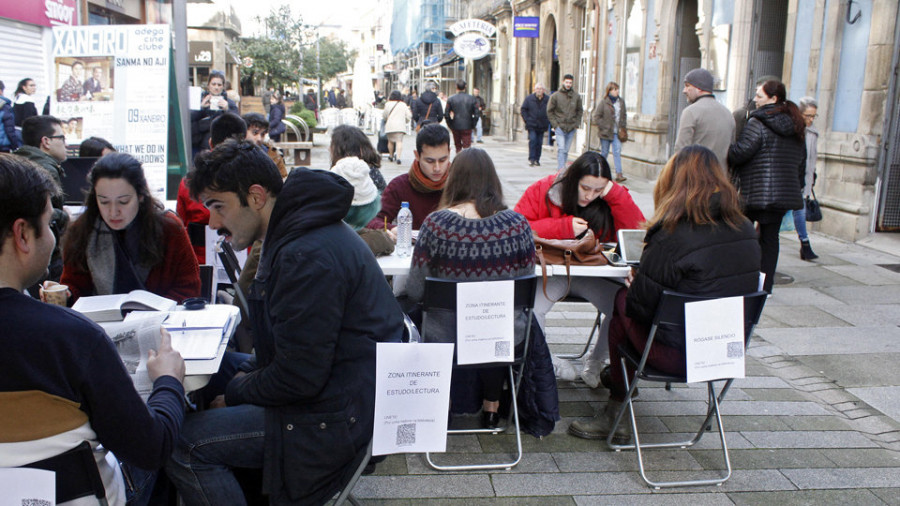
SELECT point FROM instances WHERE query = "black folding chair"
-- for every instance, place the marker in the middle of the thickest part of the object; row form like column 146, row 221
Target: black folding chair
column 346, row 493
column 440, row 294
column 595, row 329
column 232, row 270
column 77, row 475
column 670, row 314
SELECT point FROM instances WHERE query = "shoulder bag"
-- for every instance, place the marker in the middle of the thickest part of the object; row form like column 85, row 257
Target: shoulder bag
column 585, row 251
column 424, row 121
column 813, row 210
column 623, row 135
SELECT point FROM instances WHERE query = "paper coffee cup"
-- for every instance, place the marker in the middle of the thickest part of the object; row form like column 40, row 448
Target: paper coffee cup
column 56, row 294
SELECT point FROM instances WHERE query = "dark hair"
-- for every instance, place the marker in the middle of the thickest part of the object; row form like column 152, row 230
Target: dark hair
column 2, row 86
column 234, row 166
column 775, row 88
column 77, row 62
column 347, row 140
column 24, row 189
column 685, row 189
column 461, row 84
column 227, row 125
column 215, row 74
column 21, row 87
column 395, row 95
column 93, row 147
column 255, row 119
column 151, row 212
column 432, row 134
column 35, row 128
column 597, row 213
column 568, row 76
column 612, row 85
column 473, row 178
column 277, row 96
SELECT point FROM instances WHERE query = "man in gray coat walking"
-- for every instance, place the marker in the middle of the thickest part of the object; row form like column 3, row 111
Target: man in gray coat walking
column 564, row 111
column 705, row 122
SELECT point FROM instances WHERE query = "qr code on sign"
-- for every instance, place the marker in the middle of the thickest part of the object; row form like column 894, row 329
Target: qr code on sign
column 35, row 502
column 406, row 434
column 501, row 349
column 735, row 350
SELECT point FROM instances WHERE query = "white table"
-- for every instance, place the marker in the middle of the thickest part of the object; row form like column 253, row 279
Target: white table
column 198, row 372
column 393, row 265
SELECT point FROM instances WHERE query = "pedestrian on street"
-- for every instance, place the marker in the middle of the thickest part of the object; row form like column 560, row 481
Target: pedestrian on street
column 276, row 117
column 534, row 114
column 309, row 101
column 9, row 136
column 809, row 109
column 564, row 111
column 266, row 99
column 462, row 115
column 481, row 107
column 705, row 122
column 396, row 117
column 769, row 161
column 23, row 101
column 610, row 118
column 427, row 108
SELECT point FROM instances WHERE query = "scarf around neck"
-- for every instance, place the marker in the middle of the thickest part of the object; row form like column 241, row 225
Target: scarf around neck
column 105, row 263
column 421, row 183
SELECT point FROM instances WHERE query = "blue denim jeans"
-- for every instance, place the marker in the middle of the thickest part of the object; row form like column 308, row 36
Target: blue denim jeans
column 800, row 223
column 563, row 143
column 616, row 149
column 478, row 130
column 534, row 145
column 211, row 443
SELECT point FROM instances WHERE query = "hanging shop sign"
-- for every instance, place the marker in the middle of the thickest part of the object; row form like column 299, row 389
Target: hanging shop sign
column 527, row 26
column 46, row 13
column 471, row 38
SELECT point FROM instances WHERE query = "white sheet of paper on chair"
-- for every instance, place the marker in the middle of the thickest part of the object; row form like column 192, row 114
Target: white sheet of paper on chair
column 27, row 486
column 485, row 322
column 412, row 394
column 714, row 339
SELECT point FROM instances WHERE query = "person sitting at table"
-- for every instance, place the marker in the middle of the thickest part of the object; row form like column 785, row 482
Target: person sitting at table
column 423, row 185
column 347, row 140
column 63, row 381
column 366, row 203
column 126, row 240
column 472, row 236
column 698, row 242
column 565, row 206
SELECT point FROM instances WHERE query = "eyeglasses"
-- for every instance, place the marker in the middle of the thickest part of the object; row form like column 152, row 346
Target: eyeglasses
column 55, row 136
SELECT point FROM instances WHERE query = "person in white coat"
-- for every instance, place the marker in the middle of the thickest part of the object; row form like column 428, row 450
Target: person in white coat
column 396, row 117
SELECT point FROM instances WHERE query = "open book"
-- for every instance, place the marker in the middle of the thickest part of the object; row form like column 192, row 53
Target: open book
column 111, row 308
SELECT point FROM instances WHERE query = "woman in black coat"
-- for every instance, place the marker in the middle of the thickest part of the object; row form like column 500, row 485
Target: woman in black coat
column 213, row 103
column 769, row 163
column 276, row 115
column 698, row 243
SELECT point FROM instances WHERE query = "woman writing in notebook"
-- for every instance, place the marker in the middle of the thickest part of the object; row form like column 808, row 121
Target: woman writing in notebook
column 125, row 240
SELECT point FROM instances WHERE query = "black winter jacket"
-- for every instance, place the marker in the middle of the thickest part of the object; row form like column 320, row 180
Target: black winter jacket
column 319, row 304
column 769, row 161
column 202, row 120
column 534, row 113
column 420, row 109
column 465, row 112
column 709, row 260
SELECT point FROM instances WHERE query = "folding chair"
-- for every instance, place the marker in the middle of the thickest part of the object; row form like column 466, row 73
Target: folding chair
column 595, row 328
column 346, row 493
column 670, row 314
column 441, row 294
column 77, row 475
column 233, row 270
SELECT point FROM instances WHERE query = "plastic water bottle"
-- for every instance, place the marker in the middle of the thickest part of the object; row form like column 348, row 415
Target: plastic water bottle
column 404, row 230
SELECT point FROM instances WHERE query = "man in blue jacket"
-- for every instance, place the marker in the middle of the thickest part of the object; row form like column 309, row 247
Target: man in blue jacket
column 534, row 113
column 304, row 409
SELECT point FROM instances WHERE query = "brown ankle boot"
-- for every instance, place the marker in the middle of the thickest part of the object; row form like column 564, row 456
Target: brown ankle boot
column 598, row 426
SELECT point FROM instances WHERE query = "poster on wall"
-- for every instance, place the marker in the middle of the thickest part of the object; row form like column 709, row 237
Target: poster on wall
column 113, row 82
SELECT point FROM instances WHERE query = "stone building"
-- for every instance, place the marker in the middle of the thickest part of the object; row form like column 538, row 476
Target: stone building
column 844, row 54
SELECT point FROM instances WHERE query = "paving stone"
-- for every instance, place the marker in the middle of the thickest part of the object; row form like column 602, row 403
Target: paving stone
column 805, row 498
column 808, row 439
column 764, row 458
column 803, row 316
column 686, row 394
column 858, row 370
column 836, row 396
column 774, row 394
column 671, row 460
column 568, row 483
column 818, row 387
column 729, row 408
column 445, row 485
column 760, row 382
column 867, row 314
column 740, row 481
column 861, row 295
column 492, row 501
column 866, row 274
column 532, row 462
column 876, row 425
column 836, row 341
column 786, row 296
column 710, row 440
column 888, row 495
column 858, row 457
column 810, row 381
column 714, row 499
column 764, row 351
column 732, row 423
column 844, row 478
column 885, row 399
column 816, row 423
column 859, row 413
column 393, row 464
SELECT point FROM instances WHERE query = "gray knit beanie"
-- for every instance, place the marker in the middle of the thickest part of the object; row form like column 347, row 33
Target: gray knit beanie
column 700, row 79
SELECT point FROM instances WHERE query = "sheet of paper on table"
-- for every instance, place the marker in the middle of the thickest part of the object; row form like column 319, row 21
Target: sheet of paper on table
column 714, row 339
column 195, row 334
column 412, row 394
column 485, row 325
column 134, row 338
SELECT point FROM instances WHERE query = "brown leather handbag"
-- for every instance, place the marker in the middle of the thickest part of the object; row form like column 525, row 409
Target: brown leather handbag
column 585, row 251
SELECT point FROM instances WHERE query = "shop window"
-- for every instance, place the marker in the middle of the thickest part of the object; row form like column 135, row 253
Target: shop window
column 633, row 34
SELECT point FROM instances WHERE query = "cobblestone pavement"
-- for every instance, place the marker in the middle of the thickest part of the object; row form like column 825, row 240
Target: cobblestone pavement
column 816, row 421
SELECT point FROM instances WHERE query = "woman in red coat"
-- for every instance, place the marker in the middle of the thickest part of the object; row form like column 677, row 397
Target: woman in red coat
column 565, row 206
column 125, row 240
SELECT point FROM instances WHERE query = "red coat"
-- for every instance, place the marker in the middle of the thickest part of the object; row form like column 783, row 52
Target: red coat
column 177, row 277
column 548, row 220
column 191, row 211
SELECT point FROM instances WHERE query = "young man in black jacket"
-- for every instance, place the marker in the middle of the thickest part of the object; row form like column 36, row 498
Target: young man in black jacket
column 304, row 408
column 462, row 115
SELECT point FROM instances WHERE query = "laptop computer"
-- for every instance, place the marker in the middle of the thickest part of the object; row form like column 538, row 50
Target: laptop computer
column 75, row 184
column 631, row 245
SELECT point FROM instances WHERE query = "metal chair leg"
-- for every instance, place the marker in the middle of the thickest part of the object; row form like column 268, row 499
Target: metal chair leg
column 587, row 346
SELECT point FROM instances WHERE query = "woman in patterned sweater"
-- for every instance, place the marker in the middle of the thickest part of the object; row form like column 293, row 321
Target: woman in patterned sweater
column 471, row 237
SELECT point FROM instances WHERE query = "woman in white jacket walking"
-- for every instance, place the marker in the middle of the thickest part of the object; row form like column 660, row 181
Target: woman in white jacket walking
column 396, row 117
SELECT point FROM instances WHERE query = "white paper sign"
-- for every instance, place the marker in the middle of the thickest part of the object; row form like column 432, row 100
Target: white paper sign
column 27, row 486
column 412, row 397
column 714, row 339
column 485, row 322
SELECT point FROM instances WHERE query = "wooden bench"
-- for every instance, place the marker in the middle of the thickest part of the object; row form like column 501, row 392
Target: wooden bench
column 296, row 153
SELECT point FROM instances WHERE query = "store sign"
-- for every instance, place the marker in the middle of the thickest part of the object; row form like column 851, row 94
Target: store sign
column 527, row 26
column 472, row 38
column 200, row 53
column 44, row 13
column 113, row 82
